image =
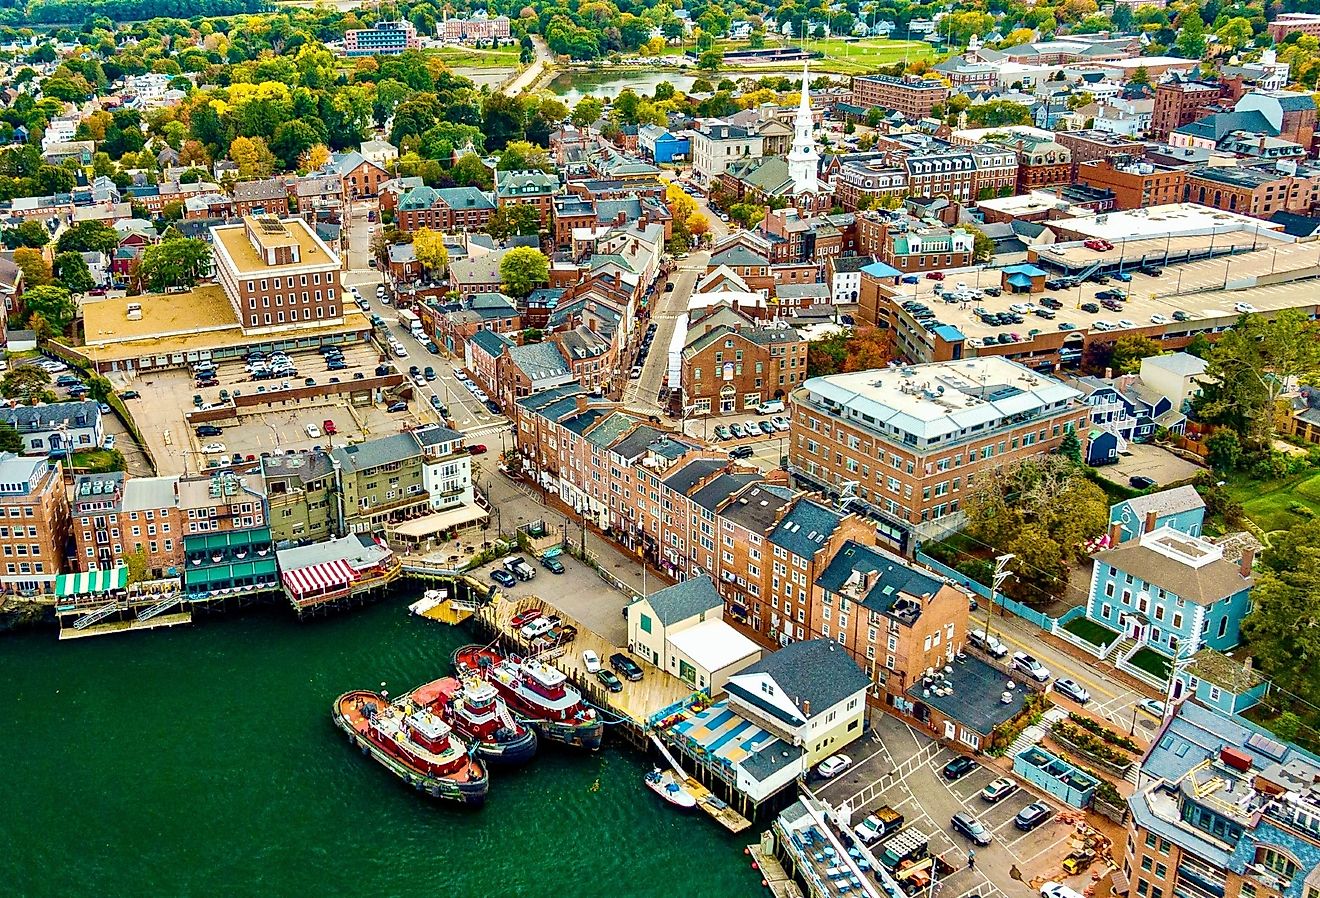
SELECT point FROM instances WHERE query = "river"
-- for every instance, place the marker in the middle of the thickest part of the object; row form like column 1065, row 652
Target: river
column 202, row 762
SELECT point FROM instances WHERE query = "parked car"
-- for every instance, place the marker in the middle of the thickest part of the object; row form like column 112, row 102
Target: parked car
column 1032, row 816
column 1180, row 315
column 329, row 427
column 1057, row 890
column 399, row 406
column 214, row 449
column 766, row 428
column 626, row 666
column 935, row 275
column 998, row 790
column 1091, row 307
column 1123, row 276
column 503, row 578
column 1141, row 482
column 877, row 826
column 1030, row 666
column 741, row 452
column 738, row 430
column 1050, row 302
column 1100, row 246
column 958, row 768
column 722, row 432
column 208, row 430
column 553, row 565
column 833, row 766
column 130, row 394
column 591, row 661
column 1070, row 688
column 970, row 827
column 1151, row 707
column 780, row 423
column 312, row 431
column 523, row 618
column 609, row 680
column 988, row 643
column 477, row 449
column 538, row 627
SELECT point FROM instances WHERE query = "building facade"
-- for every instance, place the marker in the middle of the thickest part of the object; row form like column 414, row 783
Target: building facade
column 277, row 273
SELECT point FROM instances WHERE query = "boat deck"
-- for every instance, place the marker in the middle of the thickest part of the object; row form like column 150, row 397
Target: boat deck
column 656, row 691
column 352, row 711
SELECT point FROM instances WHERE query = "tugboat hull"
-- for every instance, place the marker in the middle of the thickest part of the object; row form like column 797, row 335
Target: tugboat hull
column 467, row 787
column 588, row 736
column 509, row 754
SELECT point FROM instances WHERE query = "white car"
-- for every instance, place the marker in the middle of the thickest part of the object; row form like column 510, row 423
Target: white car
column 1103, row 325
column 1126, row 323
column 1021, row 308
column 400, row 351
column 380, row 290
column 591, row 661
column 537, row 628
column 312, row 431
column 214, row 449
column 779, row 422
column 109, row 441
column 1057, row 890
column 1243, row 307
column 1151, row 707
column 1031, row 667
column 1158, row 319
column 833, row 766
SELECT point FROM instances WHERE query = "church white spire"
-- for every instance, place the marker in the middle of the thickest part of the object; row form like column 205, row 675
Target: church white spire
column 803, row 158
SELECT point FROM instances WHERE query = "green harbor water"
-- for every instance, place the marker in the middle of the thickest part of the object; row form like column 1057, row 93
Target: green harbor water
column 202, row 762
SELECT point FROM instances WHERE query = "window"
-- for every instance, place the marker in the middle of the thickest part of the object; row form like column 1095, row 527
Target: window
column 645, row 623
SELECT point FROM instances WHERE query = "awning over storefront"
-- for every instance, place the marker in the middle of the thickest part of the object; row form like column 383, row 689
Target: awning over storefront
column 420, row 528
column 337, row 574
column 91, row 582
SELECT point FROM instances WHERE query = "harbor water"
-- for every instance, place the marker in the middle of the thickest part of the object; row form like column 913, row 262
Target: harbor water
column 202, row 762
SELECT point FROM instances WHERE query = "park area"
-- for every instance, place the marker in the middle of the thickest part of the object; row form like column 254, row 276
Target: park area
column 1277, row 504
column 845, row 57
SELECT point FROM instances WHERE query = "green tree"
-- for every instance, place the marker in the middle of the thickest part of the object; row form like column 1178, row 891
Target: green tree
column 983, row 248
column 519, row 155
column 587, row 111
column 522, row 270
column 469, row 171
column 1235, row 34
column 54, row 304
column 174, row 262
column 1223, row 450
column 10, row 439
column 35, row 268
column 1071, row 446
column 514, row 221
column 997, row 113
column 1130, row 350
column 429, row 247
column 88, row 237
column 28, row 384
column 1284, row 624
column 73, row 274
column 1190, row 43
column 137, row 564
column 1140, row 75
column 746, row 214
column 710, row 61
column 32, row 234
column 99, row 388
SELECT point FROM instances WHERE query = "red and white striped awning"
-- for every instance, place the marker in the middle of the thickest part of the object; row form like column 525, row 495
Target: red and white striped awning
column 335, row 574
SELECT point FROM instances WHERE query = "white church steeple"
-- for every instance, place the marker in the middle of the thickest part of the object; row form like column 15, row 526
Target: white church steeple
column 803, row 158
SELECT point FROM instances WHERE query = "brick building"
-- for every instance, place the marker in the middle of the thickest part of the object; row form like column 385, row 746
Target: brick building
column 35, row 504
column 527, row 188
column 1136, row 183
column 115, row 516
column 277, row 273
column 1088, row 146
column 264, row 197
column 913, row 97
column 1180, row 102
column 731, row 364
column 1301, row 22
column 445, row 209
column 1259, row 191
column 936, row 427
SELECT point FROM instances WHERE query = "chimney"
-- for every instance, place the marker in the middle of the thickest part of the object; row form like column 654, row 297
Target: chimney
column 806, row 708
column 1248, row 556
column 1150, row 521
column 1115, row 533
column 1109, row 373
column 581, row 402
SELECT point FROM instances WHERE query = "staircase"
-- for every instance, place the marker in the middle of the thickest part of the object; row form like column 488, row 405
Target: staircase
column 502, row 711
column 1033, row 734
column 1119, row 649
column 163, row 605
column 98, row 614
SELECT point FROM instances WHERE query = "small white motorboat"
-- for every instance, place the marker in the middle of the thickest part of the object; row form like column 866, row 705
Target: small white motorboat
column 665, row 784
column 429, row 599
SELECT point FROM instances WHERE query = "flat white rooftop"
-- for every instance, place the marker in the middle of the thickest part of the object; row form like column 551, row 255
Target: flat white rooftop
column 714, row 645
column 940, row 399
column 1171, row 220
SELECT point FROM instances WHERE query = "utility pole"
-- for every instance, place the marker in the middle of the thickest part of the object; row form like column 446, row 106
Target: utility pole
column 1001, row 574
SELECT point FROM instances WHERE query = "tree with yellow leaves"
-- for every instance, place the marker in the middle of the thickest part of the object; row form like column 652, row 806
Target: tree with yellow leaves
column 253, row 158
column 429, row 248
column 697, row 224
column 314, row 157
column 681, row 205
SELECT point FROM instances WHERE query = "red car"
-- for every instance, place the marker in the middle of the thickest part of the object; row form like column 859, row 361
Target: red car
column 1100, row 246
column 478, row 449
column 934, row 275
column 329, row 427
column 523, row 619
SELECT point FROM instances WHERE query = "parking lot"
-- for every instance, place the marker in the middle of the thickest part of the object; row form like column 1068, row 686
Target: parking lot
column 578, row 591
column 898, row 766
column 1144, row 460
column 282, row 424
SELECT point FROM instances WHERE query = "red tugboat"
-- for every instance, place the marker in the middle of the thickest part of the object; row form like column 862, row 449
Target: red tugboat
column 413, row 743
column 537, row 693
column 476, row 711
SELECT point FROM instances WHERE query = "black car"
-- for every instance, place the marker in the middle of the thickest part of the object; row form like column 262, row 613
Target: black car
column 1032, row 816
column 130, row 394
column 1141, row 482
column 958, row 768
column 1180, row 315
column 1055, row 284
column 503, row 578
column 740, row 452
column 383, row 370
column 553, row 565
column 493, row 407
column 1044, row 313
column 1099, row 279
column 1090, row 307
column 336, row 365
column 208, row 430
column 399, row 406
column 630, row 669
column 1152, row 272
column 992, row 291
column 1050, row 302
column 609, row 680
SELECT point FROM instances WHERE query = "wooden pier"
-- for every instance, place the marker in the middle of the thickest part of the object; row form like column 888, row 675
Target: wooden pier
column 773, row 874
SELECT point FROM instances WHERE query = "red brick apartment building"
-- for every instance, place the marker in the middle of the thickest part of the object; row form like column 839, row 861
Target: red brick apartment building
column 35, row 532
column 913, row 97
column 1180, row 102
column 732, row 365
column 114, row 516
column 277, row 273
column 909, row 440
column 1136, row 183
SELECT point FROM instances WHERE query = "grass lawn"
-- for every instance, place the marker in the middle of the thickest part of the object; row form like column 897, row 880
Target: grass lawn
column 471, row 58
column 1096, row 634
column 1152, row 662
column 97, row 461
column 1267, row 502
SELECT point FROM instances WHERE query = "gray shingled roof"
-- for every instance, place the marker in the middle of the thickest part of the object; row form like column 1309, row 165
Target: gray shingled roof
column 816, row 672
column 684, row 600
column 805, row 528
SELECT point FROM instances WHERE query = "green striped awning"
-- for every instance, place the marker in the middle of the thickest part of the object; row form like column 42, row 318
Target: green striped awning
column 91, row 582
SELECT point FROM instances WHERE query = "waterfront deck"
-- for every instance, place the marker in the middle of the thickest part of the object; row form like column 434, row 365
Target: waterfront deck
column 124, row 626
column 776, row 878
column 638, row 702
